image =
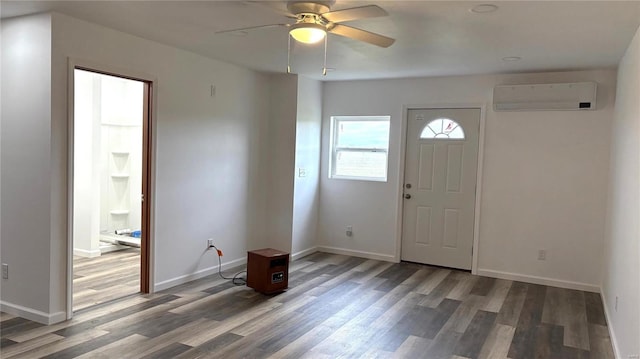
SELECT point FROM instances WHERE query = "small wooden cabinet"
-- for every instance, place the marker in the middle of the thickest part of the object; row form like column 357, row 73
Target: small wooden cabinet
column 268, row 270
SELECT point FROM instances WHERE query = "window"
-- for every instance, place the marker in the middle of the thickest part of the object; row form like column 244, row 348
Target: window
column 444, row 128
column 359, row 147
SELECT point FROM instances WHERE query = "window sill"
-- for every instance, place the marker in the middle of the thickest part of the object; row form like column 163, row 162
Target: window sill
column 366, row 179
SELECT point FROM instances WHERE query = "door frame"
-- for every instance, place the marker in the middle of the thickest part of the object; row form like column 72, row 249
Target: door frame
column 147, row 263
column 401, row 167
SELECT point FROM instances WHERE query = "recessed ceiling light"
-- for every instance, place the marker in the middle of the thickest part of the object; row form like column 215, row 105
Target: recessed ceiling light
column 512, row 58
column 484, row 8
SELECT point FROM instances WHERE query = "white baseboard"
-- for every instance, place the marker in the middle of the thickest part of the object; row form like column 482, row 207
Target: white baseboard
column 361, row 254
column 32, row 314
column 539, row 280
column 302, row 253
column 87, row 253
column 612, row 335
column 197, row 275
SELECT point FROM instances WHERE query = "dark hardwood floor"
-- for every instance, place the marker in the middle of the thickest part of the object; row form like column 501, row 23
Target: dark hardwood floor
column 336, row 307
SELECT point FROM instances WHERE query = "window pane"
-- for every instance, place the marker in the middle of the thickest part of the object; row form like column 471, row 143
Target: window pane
column 457, row 134
column 361, row 164
column 444, row 128
column 363, row 134
column 359, row 147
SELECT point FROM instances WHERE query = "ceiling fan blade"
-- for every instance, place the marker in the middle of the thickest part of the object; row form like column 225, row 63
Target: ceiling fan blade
column 362, row 35
column 355, row 13
column 250, row 28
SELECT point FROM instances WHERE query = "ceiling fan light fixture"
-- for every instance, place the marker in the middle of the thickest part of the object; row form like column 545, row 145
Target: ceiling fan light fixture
column 308, row 33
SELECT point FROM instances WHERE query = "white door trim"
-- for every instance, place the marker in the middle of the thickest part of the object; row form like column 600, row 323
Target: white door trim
column 72, row 63
column 403, row 148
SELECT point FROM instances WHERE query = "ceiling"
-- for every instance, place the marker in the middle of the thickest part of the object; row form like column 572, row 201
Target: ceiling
column 433, row 38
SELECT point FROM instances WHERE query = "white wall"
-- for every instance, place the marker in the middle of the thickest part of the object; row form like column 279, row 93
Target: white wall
column 544, row 174
column 86, row 187
column 280, row 161
column 26, row 167
column 294, row 142
column 621, row 246
column 307, row 158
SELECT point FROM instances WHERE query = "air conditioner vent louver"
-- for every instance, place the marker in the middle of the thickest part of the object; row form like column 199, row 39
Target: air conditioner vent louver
column 545, row 97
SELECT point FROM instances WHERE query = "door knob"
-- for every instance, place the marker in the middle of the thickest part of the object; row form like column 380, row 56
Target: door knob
column 407, row 196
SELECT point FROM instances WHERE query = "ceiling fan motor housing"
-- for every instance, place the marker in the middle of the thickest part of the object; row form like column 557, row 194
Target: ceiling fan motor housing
column 308, row 7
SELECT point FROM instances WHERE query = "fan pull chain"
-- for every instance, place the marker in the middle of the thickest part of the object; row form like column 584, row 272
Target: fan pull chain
column 324, row 66
column 288, row 53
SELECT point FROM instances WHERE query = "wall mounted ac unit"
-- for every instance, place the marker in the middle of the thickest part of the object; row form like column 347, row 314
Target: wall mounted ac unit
column 549, row 97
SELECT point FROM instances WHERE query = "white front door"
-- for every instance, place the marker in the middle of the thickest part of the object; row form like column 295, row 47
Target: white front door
column 441, row 162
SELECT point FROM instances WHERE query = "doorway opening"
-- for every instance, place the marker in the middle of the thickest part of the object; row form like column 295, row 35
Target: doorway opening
column 110, row 232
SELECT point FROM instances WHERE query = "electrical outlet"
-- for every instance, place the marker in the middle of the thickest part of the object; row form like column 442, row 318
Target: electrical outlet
column 615, row 306
column 349, row 231
column 542, row 255
column 5, row 271
column 209, row 243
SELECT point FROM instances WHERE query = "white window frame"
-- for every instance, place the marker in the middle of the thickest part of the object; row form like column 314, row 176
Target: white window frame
column 335, row 121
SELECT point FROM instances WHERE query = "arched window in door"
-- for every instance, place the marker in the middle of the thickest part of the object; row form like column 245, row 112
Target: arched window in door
column 442, row 128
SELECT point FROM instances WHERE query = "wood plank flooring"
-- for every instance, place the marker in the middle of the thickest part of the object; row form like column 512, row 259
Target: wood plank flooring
column 101, row 279
column 336, row 307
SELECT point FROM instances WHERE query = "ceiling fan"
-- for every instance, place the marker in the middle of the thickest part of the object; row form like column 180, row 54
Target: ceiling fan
column 313, row 20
